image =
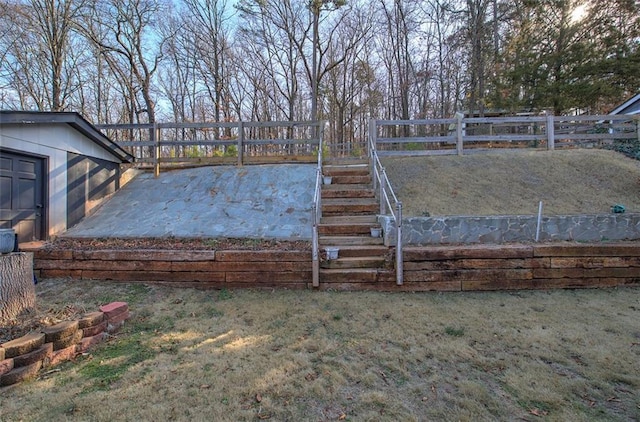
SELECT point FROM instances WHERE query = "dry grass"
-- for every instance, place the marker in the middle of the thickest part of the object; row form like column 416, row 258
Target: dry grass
column 248, row 355
column 513, row 182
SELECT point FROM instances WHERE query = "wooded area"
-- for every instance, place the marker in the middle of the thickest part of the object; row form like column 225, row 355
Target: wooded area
column 143, row 61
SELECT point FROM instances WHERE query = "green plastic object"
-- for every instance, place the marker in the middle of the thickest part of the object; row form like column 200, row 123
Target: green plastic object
column 618, row 209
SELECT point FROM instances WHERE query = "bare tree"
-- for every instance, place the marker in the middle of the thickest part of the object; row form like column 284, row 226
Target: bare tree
column 124, row 34
column 38, row 56
column 275, row 34
column 343, row 83
column 55, row 20
column 397, row 55
column 208, row 21
column 477, row 31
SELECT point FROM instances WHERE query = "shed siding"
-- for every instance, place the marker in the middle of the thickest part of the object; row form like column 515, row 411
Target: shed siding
column 89, row 180
column 53, row 141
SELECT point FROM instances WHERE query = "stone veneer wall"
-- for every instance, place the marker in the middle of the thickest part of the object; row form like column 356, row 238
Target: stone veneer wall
column 513, row 228
column 22, row 358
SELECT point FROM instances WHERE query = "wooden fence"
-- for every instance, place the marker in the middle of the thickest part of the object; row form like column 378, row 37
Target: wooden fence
column 170, row 145
column 474, row 134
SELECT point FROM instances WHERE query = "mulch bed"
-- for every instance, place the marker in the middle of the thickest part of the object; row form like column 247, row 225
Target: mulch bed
column 35, row 320
column 172, row 243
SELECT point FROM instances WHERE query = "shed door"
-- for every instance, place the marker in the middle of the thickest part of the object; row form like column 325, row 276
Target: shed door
column 22, row 205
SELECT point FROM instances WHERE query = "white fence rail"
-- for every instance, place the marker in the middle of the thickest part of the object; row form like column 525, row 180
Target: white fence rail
column 168, row 145
column 462, row 135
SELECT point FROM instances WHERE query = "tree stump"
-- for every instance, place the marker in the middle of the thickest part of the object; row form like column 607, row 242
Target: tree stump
column 17, row 292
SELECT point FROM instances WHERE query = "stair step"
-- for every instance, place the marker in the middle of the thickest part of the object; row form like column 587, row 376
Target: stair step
column 350, row 219
column 362, row 251
column 345, row 161
column 340, row 241
column 346, row 228
column 351, row 179
column 333, row 206
column 356, row 275
column 347, row 191
column 345, row 170
column 355, row 262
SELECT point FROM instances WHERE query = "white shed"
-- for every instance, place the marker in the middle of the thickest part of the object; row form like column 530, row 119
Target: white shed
column 54, row 167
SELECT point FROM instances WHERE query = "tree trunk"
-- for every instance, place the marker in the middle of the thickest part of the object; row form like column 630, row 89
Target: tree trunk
column 17, row 292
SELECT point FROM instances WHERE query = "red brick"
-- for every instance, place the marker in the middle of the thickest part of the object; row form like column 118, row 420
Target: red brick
column 88, row 342
column 23, row 345
column 6, row 365
column 114, row 308
column 91, row 319
column 118, row 318
column 59, row 331
column 63, row 355
column 94, row 330
column 68, row 341
column 40, row 354
column 20, row 374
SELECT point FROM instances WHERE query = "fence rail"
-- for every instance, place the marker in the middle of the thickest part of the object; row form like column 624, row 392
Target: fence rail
column 168, row 145
column 474, row 134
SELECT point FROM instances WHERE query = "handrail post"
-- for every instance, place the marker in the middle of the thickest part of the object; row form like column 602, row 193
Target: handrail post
column 315, row 260
column 240, row 143
column 320, row 131
column 372, row 151
column 318, row 214
column 399, row 259
column 156, row 150
column 551, row 139
column 459, row 141
column 383, row 182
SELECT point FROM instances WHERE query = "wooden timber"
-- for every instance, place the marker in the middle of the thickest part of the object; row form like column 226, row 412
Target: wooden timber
column 361, row 267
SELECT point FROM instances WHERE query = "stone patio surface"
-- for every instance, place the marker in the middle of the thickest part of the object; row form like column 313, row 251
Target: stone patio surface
column 265, row 201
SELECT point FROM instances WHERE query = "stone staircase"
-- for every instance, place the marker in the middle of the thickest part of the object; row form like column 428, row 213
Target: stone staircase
column 349, row 212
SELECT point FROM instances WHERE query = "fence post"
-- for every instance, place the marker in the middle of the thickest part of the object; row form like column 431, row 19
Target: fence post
column 459, row 145
column 240, row 142
column 551, row 137
column 156, row 150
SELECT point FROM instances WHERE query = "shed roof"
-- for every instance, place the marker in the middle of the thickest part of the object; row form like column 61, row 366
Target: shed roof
column 631, row 106
column 73, row 119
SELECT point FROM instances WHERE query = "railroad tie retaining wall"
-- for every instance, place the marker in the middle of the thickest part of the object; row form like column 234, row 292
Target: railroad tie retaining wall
column 217, row 269
column 512, row 267
column 438, row 268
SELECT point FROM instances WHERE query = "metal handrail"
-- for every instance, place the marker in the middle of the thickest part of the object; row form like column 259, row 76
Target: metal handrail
column 386, row 194
column 316, row 211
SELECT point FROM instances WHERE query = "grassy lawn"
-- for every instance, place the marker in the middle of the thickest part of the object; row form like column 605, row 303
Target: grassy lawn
column 205, row 355
column 582, row 181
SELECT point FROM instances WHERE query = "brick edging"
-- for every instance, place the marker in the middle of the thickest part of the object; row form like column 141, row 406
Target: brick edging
column 22, row 358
